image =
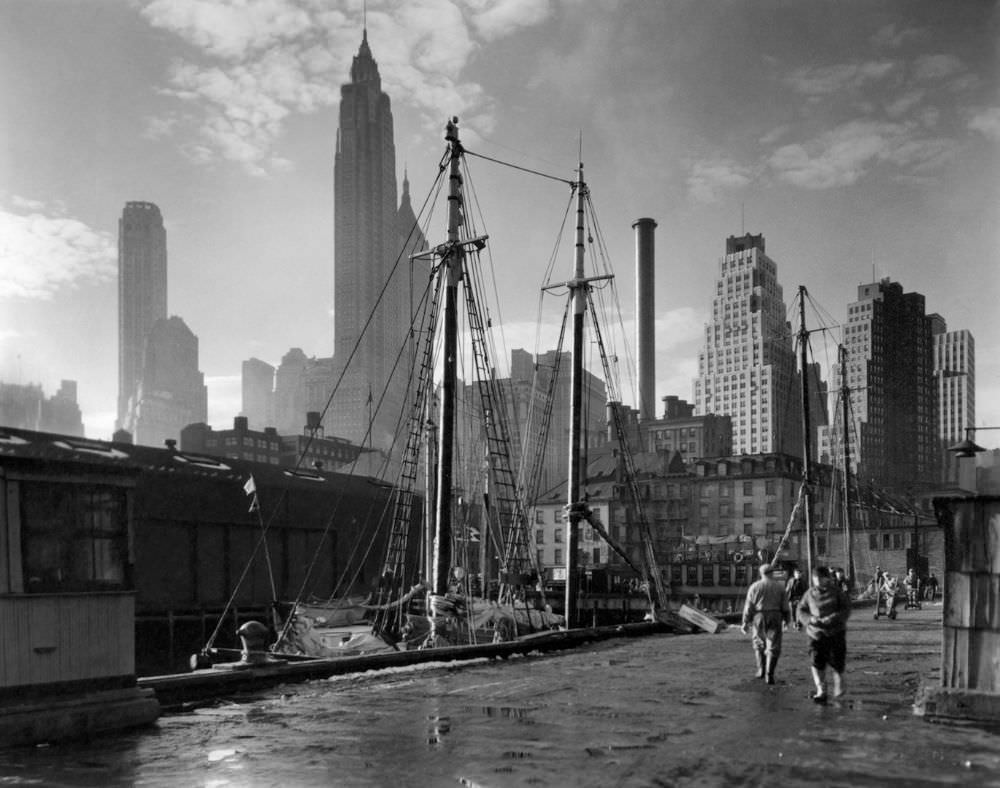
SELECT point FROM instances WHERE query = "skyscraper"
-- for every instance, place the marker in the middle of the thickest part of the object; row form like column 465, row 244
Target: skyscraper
column 142, row 292
column 171, row 393
column 890, row 371
column 371, row 303
column 747, row 367
column 258, row 393
column 955, row 375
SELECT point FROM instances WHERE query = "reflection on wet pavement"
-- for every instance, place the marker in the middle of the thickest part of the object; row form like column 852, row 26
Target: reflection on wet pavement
column 650, row 711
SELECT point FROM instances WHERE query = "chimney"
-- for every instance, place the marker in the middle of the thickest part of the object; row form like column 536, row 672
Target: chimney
column 644, row 316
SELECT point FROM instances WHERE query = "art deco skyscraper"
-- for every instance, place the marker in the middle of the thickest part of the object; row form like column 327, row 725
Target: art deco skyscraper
column 747, row 367
column 369, row 324
column 142, row 292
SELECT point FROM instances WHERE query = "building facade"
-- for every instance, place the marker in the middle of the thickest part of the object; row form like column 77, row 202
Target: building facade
column 171, row 393
column 27, row 407
column 375, row 282
column 239, row 443
column 142, row 293
column 890, row 373
column 747, row 368
column 693, row 437
column 955, row 376
column 258, row 392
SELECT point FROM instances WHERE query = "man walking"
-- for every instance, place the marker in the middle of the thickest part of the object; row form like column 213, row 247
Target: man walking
column 795, row 589
column 767, row 610
column 824, row 611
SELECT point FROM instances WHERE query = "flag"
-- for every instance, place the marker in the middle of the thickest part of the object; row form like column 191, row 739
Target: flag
column 250, row 488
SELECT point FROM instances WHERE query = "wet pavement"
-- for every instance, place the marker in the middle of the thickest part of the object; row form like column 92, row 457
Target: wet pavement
column 653, row 711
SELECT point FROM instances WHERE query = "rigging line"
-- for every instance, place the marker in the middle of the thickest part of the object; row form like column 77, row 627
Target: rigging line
column 547, row 276
column 385, row 461
column 567, row 181
column 378, row 300
column 309, row 439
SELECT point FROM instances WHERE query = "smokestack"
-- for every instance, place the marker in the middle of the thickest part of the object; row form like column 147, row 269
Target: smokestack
column 644, row 316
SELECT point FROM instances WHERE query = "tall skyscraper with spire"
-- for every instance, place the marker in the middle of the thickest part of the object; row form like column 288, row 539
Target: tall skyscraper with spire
column 372, row 237
column 142, row 293
column 747, row 367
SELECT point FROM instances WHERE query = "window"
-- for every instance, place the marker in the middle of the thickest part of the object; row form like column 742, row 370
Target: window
column 74, row 537
column 769, row 487
column 558, row 536
column 747, row 489
column 748, row 509
column 539, row 516
column 597, row 555
column 821, row 544
column 540, row 557
column 772, row 508
column 558, row 558
column 540, row 536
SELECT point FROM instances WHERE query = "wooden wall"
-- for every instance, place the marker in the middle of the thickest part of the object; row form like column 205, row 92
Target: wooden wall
column 971, row 632
column 47, row 638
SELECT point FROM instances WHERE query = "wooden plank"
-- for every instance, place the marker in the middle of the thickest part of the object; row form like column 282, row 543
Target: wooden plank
column 699, row 619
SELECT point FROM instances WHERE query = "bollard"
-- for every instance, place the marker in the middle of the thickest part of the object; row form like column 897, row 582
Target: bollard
column 253, row 635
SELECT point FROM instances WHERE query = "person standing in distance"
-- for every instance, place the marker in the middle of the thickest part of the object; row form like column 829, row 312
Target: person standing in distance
column 795, row 589
column 766, row 609
column 824, row 611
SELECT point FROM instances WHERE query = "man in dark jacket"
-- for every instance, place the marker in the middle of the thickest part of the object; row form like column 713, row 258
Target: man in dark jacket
column 795, row 589
column 824, row 611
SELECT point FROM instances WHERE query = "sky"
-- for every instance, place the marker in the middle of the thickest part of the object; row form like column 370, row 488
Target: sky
column 861, row 138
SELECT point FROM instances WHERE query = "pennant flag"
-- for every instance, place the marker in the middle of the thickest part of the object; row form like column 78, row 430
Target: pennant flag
column 250, row 488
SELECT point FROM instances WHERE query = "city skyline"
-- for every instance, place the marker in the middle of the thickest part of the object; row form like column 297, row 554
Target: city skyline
column 869, row 151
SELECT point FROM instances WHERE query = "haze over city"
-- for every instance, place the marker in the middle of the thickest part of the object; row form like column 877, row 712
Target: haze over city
column 860, row 138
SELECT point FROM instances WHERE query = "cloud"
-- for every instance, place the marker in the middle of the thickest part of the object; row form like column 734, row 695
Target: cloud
column 817, row 82
column 710, row 177
column 987, row 123
column 494, row 19
column 936, row 67
column 255, row 65
column 904, row 103
column 42, row 254
column 843, row 155
column 892, row 37
column 230, row 30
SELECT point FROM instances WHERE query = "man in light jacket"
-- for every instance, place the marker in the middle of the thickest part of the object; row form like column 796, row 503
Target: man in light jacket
column 766, row 608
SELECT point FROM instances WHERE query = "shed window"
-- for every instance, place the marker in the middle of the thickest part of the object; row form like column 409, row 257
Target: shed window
column 74, row 537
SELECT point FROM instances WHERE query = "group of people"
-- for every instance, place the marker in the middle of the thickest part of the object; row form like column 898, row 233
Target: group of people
column 887, row 591
column 821, row 608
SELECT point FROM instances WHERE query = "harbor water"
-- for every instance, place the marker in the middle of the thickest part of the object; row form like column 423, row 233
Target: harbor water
column 653, row 711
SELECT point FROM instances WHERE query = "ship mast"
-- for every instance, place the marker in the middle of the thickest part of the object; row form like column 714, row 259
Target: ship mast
column 806, row 437
column 579, row 287
column 845, row 401
column 452, row 259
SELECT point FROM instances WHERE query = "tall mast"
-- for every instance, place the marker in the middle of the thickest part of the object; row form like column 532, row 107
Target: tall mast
column 579, row 287
column 845, row 397
column 452, row 259
column 806, row 437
